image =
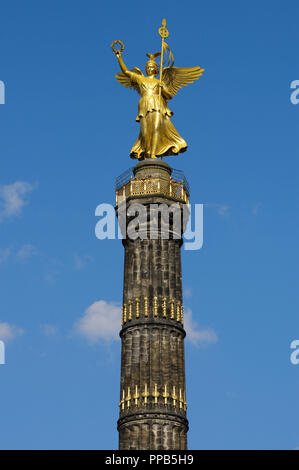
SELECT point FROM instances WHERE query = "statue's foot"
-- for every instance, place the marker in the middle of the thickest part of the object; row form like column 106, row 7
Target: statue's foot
column 153, row 156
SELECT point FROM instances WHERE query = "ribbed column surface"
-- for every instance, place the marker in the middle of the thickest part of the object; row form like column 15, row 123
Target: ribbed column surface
column 152, row 390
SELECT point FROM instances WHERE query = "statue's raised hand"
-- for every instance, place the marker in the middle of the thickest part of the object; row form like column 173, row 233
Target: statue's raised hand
column 117, row 52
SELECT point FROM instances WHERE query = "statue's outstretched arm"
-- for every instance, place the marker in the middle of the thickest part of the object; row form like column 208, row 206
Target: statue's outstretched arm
column 122, row 65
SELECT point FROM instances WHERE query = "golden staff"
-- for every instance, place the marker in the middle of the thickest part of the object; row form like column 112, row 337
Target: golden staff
column 164, row 34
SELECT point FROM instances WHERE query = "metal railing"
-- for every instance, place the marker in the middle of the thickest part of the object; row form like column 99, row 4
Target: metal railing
column 153, row 186
column 176, row 187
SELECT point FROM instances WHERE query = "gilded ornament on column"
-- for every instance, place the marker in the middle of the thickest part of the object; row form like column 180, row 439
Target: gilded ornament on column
column 165, row 395
column 178, row 311
column 155, row 306
column 137, row 307
column 145, row 306
column 136, row 395
column 128, row 398
column 185, row 403
column 156, row 394
column 174, row 396
column 124, row 313
column 182, row 314
column 181, row 399
column 145, row 394
column 172, row 309
column 164, row 305
column 130, row 309
column 122, row 401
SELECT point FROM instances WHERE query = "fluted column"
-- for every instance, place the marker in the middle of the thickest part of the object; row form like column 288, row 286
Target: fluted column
column 152, row 392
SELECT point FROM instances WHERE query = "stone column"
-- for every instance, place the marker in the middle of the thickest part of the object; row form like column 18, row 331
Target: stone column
column 152, row 390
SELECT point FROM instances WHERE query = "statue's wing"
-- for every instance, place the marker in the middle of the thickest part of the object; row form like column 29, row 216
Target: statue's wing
column 128, row 80
column 176, row 77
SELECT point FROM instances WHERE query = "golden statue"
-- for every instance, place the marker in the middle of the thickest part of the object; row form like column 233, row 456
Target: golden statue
column 158, row 136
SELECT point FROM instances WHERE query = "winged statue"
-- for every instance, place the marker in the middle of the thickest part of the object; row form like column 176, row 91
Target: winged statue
column 157, row 137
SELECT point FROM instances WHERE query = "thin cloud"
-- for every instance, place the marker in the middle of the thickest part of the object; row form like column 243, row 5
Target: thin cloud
column 101, row 321
column 53, row 270
column 26, row 252
column 221, row 209
column 13, row 198
column 80, row 261
column 9, row 332
column 188, row 292
column 198, row 337
column 49, row 329
column 256, row 209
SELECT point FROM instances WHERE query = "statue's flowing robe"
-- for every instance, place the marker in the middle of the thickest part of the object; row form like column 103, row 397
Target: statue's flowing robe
column 169, row 141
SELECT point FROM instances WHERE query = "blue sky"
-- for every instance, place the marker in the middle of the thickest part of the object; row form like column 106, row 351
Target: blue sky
column 66, row 130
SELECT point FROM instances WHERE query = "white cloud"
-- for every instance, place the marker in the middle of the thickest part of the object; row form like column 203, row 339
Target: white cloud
column 101, row 321
column 197, row 336
column 8, row 332
column 4, row 254
column 26, row 252
column 13, row 198
column 81, row 261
